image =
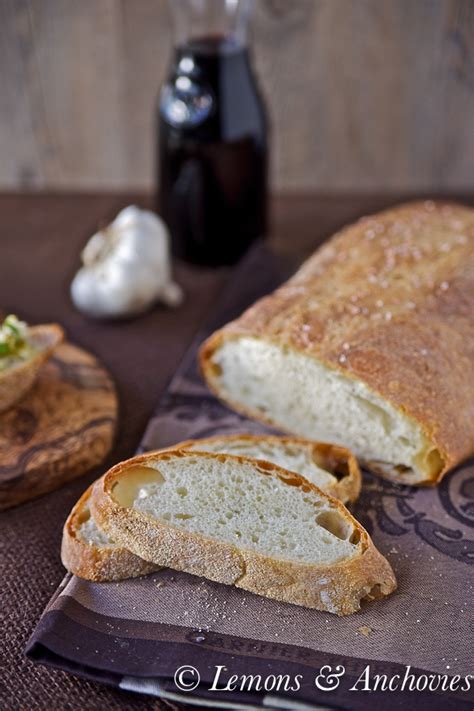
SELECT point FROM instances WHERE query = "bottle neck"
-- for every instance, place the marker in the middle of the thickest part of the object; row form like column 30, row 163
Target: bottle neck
column 220, row 22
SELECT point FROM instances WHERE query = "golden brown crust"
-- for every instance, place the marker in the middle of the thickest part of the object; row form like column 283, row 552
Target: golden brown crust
column 17, row 380
column 338, row 461
column 337, row 588
column 93, row 562
column 388, row 301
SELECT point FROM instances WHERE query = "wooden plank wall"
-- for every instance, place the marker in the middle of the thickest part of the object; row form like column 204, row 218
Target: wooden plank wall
column 363, row 94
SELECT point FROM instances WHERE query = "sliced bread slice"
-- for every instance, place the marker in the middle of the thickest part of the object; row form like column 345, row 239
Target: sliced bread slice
column 89, row 553
column 243, row 522
column 332, row 468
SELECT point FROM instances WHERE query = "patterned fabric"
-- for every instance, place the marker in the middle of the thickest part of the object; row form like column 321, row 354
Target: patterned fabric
column 136, row 634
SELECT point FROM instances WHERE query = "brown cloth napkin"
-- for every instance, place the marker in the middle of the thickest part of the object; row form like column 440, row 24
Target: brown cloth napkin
column 138, row 633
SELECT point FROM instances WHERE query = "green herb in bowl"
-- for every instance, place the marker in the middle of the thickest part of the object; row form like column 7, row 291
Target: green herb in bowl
column 14, row 342
column 23, row 351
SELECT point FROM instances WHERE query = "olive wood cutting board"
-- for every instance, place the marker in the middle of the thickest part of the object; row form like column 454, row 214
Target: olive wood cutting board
column 62, row 428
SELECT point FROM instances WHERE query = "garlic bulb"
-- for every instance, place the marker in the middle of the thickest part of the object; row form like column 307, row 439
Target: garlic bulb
column 126, row 267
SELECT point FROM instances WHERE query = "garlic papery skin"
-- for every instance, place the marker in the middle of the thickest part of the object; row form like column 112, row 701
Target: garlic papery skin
column 126, row 268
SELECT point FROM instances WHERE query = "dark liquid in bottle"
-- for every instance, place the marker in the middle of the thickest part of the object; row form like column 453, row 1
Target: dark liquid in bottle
column 212, row 153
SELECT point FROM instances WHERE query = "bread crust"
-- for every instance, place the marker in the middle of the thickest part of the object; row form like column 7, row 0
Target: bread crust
column 93, row 562
column 337, row 460
column 338, row 588
column 388, row 301
column 17, row 380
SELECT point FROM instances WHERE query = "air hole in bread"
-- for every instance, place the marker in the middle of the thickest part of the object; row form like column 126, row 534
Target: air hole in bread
column 183, row 516
column 84, row 515
column 126, row 489
column 435, row 462
column 182, row 491
column 294, row 481
column 355, row 537
column 341, row 470
column 375, row 413
column 375, row 593
column 216, row 369
column 333, row 522
column 315, row 504
column 402, row 469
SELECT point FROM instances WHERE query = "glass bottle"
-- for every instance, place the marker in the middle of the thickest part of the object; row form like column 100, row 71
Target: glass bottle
column 212, row 151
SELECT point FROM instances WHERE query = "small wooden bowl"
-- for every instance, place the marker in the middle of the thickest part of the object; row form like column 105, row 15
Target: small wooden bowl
column 16, row 380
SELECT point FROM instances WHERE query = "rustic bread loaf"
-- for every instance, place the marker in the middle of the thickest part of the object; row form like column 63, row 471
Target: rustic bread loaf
column 89, row 553
column 243, row 522
column 369, row 345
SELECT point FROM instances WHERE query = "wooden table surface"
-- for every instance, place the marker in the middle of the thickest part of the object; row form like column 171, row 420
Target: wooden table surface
column 40, row 240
